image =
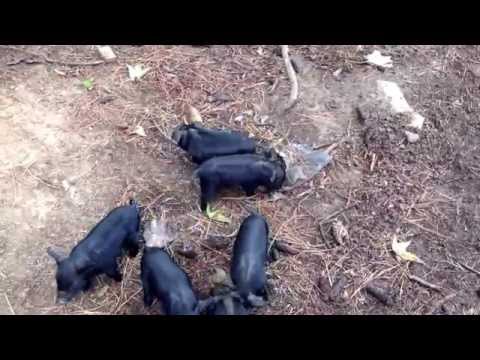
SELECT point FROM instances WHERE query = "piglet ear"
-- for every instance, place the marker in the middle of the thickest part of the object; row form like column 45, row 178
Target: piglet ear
column 58, row 258
column 272, row 178
column 266, row 169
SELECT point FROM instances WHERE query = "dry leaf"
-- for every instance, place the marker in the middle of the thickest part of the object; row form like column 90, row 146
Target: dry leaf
column 216, row 215
column 376, row 58
column 340, row 233
column 136, row 72
column 194, row 115
column 139, row 131
column 400, row 249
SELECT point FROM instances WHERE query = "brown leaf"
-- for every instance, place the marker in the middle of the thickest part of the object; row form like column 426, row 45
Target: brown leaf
column 340, row 233
column 217, row 242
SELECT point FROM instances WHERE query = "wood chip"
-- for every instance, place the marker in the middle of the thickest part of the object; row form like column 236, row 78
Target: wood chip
column 285, row 248
column 106, row 53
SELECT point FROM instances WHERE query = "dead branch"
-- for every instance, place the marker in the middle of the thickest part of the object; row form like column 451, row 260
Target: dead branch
column 427, row 230
column 291, row 76
column 425, row 283
column 9, row 304
column 336, row 213
column 469, row 268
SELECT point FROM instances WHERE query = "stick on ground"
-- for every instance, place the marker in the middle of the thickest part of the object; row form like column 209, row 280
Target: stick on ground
column 469, row 268
column 9, row 305
column 291, row 76
column 425, row 283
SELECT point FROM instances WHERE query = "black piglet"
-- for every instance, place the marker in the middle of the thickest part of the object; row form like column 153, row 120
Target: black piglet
column 98, row 252
column 250, row 256
column 203, row 144
column 165, row 280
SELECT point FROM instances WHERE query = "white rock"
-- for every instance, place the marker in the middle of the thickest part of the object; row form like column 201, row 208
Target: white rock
column 412, row 137
column 399, row 105
column 417, row 121
column 106, row 53
column 65, row 185
column 394, row 95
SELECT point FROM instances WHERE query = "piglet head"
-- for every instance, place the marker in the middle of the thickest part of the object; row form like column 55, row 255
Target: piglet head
column 180, row 134
column 278, row 174
column 276, row 166
column 69, row 281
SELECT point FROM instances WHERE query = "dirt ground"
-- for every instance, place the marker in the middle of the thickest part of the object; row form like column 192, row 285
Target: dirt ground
column 68, row 155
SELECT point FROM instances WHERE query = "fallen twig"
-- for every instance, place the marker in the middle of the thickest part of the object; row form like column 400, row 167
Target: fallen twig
column 9, row 305
column 336, row 213
column 470, row 268
column 291, row 76
column 425, row 283
column 127, row 301
column 153, row 202
column 427, row 230
column 371, row 278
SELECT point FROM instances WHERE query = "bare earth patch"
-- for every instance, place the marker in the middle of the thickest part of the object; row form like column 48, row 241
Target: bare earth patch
column 68, row 155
